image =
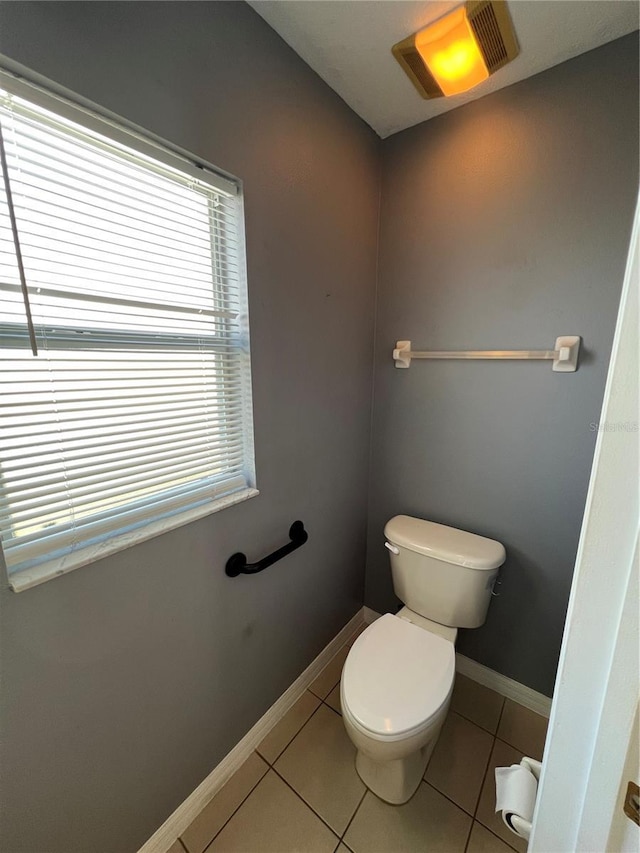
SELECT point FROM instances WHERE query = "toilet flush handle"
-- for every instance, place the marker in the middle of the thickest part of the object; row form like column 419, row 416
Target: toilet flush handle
column 392, row 548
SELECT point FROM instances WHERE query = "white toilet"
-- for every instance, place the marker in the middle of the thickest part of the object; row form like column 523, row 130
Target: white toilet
column 398, row 677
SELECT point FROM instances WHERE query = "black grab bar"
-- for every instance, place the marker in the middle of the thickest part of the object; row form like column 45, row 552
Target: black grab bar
column 237, row 563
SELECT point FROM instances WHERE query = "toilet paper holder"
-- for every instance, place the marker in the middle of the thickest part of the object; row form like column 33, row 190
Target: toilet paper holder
column 516, row 823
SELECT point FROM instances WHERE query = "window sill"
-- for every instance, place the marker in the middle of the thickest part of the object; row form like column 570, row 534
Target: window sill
column 28, row 578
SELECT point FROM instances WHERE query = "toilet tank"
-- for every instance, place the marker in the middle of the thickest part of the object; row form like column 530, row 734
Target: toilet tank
column 442, row 573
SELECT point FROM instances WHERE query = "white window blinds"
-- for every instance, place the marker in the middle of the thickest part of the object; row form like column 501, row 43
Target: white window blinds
column 135, row 415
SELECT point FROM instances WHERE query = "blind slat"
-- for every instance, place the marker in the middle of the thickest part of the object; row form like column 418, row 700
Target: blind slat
column 48, row 197
column 98, row 467
column 151, row 420
column 106, row 403
column 138, row 405
column 84, row 492
column 48, row 149
column 120, row 302
column 100, row 447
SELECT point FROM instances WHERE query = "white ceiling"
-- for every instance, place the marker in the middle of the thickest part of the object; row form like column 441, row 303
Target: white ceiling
column 348, row 43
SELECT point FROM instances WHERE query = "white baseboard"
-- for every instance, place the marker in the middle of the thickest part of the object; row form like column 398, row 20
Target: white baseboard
column 520, row 693
column 175, row 825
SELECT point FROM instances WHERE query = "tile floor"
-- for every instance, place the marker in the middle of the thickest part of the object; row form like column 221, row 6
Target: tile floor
column 300, row 791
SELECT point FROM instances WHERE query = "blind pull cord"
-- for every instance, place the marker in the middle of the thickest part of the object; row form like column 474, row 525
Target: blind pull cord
column 16, row 243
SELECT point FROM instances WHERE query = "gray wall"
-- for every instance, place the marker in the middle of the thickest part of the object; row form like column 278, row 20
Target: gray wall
column 125, row 682
column 503, row 225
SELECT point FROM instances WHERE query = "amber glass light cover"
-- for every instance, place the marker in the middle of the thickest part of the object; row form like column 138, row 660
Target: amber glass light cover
column 451, row 53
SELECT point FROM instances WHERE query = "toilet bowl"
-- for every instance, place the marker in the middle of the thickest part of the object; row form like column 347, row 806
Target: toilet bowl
column 395, row 691
column 398, row 677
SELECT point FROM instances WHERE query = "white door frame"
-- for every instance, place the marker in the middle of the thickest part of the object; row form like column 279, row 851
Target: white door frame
column 596, row 690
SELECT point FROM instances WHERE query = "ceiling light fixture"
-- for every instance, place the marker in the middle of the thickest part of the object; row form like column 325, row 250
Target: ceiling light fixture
column 459, row 50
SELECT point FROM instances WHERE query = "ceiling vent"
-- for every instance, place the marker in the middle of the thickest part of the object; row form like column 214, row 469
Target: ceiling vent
column 489, row 31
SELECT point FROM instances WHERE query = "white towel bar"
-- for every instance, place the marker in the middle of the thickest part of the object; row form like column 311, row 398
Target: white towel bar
column 564, row 356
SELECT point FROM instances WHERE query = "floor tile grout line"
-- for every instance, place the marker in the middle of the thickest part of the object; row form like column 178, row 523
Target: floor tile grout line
column 504, row 702
column 289, row 742
column 457, row 805
column 352, row 818
column 271, row 766
column 340, row 837
column 517, row 748
column 469, row 720
column 484, row 782
column 494, row 835
column 486, row 767
column 308, row 805
column 484, row 776
column 239, row 806
column 282, row 779
column 466, row 846
column 475, row 723
column 446, row 796
column 316, row 695
column 484, row 826
column 309, row 688
column 330, row 707
column 346, row 645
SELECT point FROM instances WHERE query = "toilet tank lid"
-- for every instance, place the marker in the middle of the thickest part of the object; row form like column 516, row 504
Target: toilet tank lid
column 444, row 543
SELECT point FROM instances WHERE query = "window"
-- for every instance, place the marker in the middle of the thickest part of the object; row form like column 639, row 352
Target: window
column 135, row 414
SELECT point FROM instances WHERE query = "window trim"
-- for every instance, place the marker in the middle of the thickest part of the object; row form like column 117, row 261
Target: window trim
column 121, row 131
column 27, row 578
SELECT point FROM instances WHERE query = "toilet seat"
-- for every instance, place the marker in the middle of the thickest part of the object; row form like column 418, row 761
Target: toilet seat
column 396, row 679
